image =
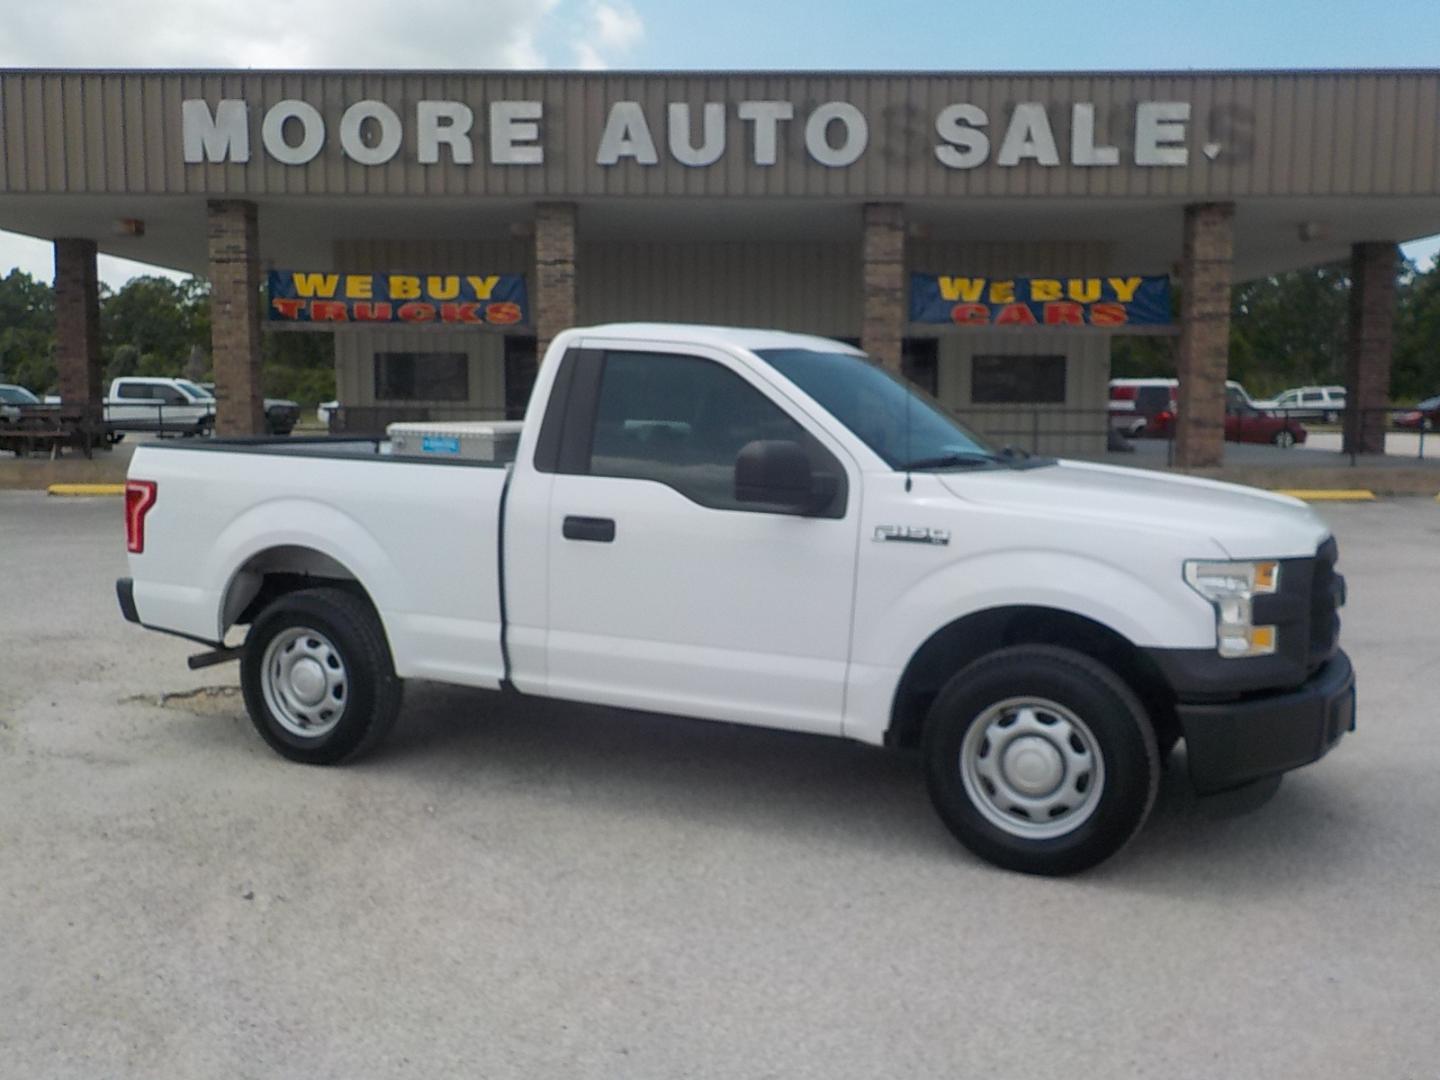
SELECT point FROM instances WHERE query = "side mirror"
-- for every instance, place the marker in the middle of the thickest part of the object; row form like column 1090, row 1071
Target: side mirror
column 776, row 473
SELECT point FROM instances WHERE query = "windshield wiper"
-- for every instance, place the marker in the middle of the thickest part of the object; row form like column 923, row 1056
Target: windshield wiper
column 950, row 461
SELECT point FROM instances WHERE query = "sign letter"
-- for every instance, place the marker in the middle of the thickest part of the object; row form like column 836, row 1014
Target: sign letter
column 965, row 145
column 215, row 138
column 817, row 130
column 312, row 128
column 766, row 116
column 1160, row 133
column 352, row 122
column 447, row 122
column 1028, row 136
column 626, row 135
column 1083, row 150
column 709, row 151
column 515, row 133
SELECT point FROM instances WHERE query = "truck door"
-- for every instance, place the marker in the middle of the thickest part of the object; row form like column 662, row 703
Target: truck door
column 668, row 593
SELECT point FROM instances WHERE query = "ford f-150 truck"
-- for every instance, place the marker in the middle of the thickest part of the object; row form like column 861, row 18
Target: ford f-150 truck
column 767, row 528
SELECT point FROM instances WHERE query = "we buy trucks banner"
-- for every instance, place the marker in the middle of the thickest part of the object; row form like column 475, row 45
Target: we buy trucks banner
column 298, row 296
column 1040, row 301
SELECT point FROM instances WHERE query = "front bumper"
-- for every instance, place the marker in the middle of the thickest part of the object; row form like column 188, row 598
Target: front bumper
column 1232, row 743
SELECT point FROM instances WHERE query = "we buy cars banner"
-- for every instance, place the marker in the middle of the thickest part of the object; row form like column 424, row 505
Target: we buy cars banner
column 299, row 296
column 1040, row 301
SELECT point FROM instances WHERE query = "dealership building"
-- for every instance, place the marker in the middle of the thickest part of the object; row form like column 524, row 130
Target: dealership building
column 988, row 235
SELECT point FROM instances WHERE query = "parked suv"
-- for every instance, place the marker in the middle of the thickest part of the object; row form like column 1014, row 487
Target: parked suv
column 1136, row 405
column 1309, row 403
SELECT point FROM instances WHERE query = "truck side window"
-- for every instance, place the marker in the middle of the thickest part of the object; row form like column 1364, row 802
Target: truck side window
column 681, row 421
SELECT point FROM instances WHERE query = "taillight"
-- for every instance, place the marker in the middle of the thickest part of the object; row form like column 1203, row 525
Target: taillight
column 139, row 498
column 1122, row 393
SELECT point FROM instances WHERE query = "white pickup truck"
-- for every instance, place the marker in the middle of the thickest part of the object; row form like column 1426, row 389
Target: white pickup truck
column 766, row 528
column 179, row 406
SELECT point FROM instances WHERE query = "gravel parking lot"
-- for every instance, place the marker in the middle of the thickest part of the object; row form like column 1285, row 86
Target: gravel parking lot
column 512, row 888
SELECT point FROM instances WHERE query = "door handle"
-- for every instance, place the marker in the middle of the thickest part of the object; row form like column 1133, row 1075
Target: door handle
column 601, row 530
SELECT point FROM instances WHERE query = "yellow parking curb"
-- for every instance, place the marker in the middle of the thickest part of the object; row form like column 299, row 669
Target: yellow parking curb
column 86, row 489
column 1330, row 494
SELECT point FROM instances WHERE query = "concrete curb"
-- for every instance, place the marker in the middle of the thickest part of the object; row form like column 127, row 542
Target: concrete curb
column 1328, row 494
column 86, row 489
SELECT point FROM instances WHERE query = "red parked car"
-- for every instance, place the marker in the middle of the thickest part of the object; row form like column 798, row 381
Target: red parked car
column 1424, row 417
column 1245, row 423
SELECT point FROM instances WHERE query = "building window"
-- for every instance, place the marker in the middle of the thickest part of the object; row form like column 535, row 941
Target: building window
column 422, row 376
column 520, row 368
column 1017, row 380
column 920, row 363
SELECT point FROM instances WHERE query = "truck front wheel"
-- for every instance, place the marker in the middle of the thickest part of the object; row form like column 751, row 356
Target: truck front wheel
column 319, row 682
column 1040, row 759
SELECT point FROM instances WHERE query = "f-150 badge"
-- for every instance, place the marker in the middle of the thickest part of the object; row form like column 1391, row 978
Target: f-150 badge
column 912, row 534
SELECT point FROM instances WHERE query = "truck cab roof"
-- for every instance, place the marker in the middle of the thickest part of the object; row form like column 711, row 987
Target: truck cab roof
column 751, row 338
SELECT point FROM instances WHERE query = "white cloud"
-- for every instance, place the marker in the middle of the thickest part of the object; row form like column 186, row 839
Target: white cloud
column 609, row 28
column 320, row 33
column 362, row 34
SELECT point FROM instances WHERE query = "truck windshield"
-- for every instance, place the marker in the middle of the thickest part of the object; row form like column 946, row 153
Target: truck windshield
column 905, row 426
column 195, row 391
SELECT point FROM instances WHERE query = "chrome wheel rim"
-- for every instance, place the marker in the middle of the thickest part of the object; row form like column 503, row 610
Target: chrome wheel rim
column 304, row 682
column 1032, row 768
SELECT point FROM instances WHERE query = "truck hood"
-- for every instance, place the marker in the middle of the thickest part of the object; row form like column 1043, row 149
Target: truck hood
column 1246, row 522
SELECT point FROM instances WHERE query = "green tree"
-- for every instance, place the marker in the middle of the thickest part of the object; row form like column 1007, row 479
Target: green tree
column 160, row 319
column 298, row 365
column 27, row 332
column 1415, row 369
column 1289, row 329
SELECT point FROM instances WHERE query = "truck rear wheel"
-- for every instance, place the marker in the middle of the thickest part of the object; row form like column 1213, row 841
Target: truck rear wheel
column 1039, row 759
column 319, row 682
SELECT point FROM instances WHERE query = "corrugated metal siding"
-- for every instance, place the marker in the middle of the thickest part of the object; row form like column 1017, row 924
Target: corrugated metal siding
column 1047, row 259
column 815, row 288
column 355, row 349
column 355, row 362
column 1076, row 426
column 455, row 256
column 1282, row 133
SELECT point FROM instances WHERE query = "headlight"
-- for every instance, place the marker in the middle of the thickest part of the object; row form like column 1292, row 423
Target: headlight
column 1230, row 586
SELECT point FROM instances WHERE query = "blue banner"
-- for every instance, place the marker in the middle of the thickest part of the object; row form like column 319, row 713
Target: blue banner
column 1040, row 301
column 298, row 296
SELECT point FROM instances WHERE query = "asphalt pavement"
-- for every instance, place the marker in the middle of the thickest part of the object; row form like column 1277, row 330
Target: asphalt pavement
column 512, row 888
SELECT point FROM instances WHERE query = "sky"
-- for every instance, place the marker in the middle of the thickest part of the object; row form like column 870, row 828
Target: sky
column 959, row 35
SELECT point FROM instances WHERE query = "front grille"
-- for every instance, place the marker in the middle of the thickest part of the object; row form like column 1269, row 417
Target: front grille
column 1304, row 612
column 1327, row 593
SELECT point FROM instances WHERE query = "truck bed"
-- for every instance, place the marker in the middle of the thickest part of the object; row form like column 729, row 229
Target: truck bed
column 421, row 532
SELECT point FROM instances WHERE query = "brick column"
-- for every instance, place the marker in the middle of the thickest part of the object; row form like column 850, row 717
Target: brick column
column 235, row 316
column 77, row 325
column 1372, row 331
column 554, row 298
column 882, row 256
column 1204, row 334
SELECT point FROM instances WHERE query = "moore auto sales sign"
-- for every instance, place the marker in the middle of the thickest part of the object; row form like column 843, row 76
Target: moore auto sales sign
column 834, row 134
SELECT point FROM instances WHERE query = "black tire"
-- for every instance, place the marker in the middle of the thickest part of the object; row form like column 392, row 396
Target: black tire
column 1284, row 438
column 1331, row 417
column 372, row 692
column 1116, row 724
